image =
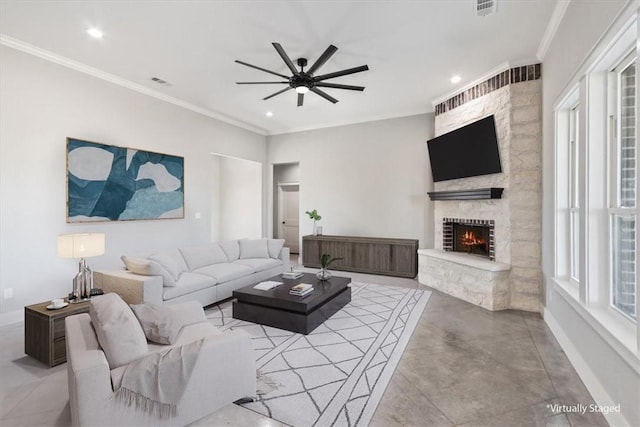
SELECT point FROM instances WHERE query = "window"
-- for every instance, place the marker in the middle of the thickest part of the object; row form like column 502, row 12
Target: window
column 596, row 188
column 624, row 201
column 574, row 196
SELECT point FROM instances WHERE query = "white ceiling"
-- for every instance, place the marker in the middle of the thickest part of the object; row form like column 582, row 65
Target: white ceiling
column 411, row 47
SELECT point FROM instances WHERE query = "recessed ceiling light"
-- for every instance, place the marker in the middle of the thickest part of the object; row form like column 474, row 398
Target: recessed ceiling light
column 456, row 79
column 269, row 114
column 94, row 32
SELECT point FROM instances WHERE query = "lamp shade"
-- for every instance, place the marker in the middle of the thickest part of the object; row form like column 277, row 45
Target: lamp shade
column 81, row 245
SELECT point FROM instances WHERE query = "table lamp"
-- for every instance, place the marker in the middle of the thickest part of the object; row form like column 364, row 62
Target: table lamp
column 81, row 246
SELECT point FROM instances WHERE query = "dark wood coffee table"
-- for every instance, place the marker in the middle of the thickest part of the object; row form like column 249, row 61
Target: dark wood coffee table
column 282, row 310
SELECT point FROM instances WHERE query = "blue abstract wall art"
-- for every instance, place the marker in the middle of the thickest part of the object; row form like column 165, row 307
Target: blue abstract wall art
column 108, row 183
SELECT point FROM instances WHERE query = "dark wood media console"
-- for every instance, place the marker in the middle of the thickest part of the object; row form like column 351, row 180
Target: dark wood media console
column 390, row 257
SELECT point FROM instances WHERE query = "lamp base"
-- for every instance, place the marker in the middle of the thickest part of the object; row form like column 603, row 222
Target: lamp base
column 74, row 300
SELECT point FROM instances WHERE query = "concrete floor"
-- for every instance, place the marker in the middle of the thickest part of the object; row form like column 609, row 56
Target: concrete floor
column 464, row 366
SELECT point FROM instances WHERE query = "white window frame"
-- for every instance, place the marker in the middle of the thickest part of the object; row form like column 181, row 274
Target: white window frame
column 589, row 87
column 615, row 208
column 575, row 183
column 566, row 198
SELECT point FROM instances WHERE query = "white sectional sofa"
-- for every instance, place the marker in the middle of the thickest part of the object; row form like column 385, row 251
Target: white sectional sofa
column 205, row 273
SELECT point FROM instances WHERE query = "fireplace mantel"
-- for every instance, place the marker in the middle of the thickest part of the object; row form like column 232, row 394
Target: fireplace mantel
column 477, row 194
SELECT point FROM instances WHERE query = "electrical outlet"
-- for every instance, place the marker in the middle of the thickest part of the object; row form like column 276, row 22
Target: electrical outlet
column 8, row 293
column 198, row 215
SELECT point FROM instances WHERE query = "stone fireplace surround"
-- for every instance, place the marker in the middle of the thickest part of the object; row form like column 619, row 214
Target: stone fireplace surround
column 448, row 233
column 513, row 280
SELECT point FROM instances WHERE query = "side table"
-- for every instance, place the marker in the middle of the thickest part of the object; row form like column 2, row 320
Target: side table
column 44, row 331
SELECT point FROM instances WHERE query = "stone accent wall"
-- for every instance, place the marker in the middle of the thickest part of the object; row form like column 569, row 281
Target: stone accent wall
column 514, row 75
column 497, row 103
column 486, row 287
column 525, row 195
column 517, row 111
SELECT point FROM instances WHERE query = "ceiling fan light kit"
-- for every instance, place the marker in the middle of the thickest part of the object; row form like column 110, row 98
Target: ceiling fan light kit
column 304, row 81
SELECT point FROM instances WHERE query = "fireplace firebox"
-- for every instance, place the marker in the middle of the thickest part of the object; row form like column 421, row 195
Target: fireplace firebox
column 472, row 236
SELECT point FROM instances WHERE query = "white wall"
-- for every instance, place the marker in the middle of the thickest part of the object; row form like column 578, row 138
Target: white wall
column 240, row 203
column 41, row 104
column 611, row 379
column 369, row 179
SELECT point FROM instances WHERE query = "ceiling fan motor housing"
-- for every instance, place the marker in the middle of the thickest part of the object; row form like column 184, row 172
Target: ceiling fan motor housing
column 302, row 79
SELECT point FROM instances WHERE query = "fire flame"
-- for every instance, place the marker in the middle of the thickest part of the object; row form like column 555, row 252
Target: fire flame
column 470, row 239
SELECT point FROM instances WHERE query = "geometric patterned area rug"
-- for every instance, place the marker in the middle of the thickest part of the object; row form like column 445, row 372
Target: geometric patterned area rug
column 336, row 375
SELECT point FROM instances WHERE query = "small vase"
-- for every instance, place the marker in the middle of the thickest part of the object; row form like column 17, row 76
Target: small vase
column 315, row 228
column 323, row 274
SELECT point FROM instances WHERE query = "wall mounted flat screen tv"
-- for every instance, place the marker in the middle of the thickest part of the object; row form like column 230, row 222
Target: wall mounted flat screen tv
column 471, row 150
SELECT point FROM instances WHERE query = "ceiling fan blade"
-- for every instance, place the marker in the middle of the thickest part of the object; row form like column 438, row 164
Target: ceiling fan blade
column 339, row 86
column 323, row 94
column 261, row 83
column 341, row 73
column 323, row 58
column 300, row 99
column 277, row 93
column 285, row 58
column 263, row 69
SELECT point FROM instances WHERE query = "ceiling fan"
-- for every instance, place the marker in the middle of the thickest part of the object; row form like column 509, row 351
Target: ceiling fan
column 304, row 81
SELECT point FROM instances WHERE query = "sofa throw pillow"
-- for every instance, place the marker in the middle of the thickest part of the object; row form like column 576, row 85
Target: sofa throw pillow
column 172, row 260
column 200, row 256
column 162, row 324
column 253, row 249
column 148, row 267
column 275, row 246
column 118, row 330
column 231, row 249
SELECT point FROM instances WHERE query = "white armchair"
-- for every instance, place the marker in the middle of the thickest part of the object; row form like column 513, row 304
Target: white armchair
column 224, row 372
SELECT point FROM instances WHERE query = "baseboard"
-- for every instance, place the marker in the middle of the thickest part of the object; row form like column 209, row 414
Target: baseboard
column 598, row 392
column 11, row 317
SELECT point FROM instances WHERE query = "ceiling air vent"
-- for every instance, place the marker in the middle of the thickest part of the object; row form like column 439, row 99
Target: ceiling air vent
column 485, row 7
column 160, row 81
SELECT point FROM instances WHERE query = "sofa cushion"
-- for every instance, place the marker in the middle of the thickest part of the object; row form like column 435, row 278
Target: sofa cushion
column 172, row 260
column 117, row 329
column 189, row 334
column 231, row 249
column 188, row 282
column 148, row 267
column 199, row 256
column 259, row 264
column 275, row 246
column 162, row 324
column 253, row 248
column 225, row 272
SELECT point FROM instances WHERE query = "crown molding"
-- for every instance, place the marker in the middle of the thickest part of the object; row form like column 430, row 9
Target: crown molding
column 86, row 69
column 552, row 28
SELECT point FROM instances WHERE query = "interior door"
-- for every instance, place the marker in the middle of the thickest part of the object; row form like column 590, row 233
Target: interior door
column 288, row 211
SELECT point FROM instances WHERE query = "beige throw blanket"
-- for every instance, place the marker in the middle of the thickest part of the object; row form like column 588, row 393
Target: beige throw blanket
column 156, row 383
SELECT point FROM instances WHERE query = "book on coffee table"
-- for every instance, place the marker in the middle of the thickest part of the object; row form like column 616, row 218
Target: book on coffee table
column 267, row 286
column 292, row 274
column 301, row 289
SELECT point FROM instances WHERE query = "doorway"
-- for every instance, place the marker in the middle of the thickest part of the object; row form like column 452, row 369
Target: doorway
column 288, row 215
column 286, row 205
